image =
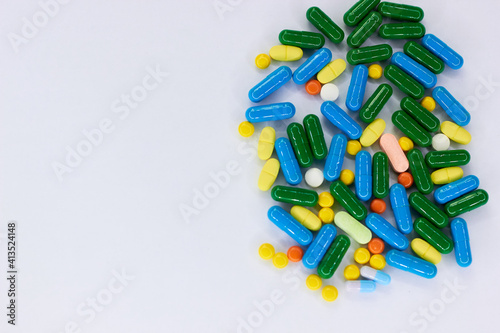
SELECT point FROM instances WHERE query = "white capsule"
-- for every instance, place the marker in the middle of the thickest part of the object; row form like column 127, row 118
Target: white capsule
column 329, row 92
column 440, row 142
column 314, row 177
column 378, row 276
column 361, row 286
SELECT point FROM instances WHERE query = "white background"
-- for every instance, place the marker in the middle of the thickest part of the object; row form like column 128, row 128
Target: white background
column 119, row 209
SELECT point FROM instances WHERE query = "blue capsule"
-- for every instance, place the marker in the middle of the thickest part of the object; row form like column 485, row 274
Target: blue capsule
column 319, row 246
column 341, row 120
column 454, row 109
column 443, row 51
column 460, row 235
column 401, row 208
column 424, row 76
column 456, row 189
column 409, row 263
column 363, row 175
column 383, row 229
column 277, row 111
column 270, row 84
column 362, row 286
column 357, row 87
column 312, row 65
column 291, row 226
column 288, row 161
column 335, row 158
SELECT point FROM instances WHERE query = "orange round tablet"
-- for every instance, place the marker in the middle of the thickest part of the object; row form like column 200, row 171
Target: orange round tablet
column 376, row 246
column 405, row 179
column 313, row 87
column 378, row 206
column 295, row 253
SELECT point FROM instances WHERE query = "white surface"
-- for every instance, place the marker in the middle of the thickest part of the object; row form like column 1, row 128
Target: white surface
column 120, row 207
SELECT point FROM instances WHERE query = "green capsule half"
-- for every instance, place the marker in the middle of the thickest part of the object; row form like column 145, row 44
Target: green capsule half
column 324, row 23
column 375, row 103
column 419, row 171
column 295, row 195
column 380, row 175
column 333, row 257
column 425, row 118
column 466, row 203
column 315, row 135
column 428, row 209
column 404, row 30
column 347, row 199
column 433, row 235
column 358, row 11
column 302, row 39
column 397, row 11
column 447, row 158
column 411, row 128
column 367, row 54
column 365, row 29
column 404, row 82
column 424, row 57
column 300, row 144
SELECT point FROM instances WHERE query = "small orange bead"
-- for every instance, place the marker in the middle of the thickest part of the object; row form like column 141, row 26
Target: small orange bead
column 405, row 179
column 295, row 253
column 378, row 206
column 376, row 246
column 313, row 87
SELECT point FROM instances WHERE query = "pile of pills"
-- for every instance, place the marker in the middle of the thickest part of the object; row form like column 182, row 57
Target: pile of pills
column 320, row 245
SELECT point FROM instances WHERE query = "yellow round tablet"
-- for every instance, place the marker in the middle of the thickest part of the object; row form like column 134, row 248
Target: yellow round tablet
column 326, row 215
column 377, row 261
column 313, row 282
column 405, row 143
column 266, row 251
column 347, row 177
column 353, row 147
column 428, row 103
column 262, row 61
column 325, row 199
column 375, row 71
column 362, row 255
column 351, row 272
column 280, row 260
column 329, row 293
column 246, row 129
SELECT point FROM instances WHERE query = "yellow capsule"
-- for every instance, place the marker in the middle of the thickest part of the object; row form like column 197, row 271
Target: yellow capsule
column 351, row 272
column 331, row 71
column 405, row 143
column 362, row 256
column 455, row 133
column 313, row 282
column 262, row 61
column 265, row 146
column 425, row 251
column 266, row 251
column 307, row 218
column 268, row 174
column 377, row 261
column 353, row 147
column 446, row 175
column 372, row 132
column 347, row 177
column 280, row 260
column 325, row 199
column 428, row 103
column 326, row 215
column 375, row 71
column 246, row 129
column 286, row 53
column 329, row 293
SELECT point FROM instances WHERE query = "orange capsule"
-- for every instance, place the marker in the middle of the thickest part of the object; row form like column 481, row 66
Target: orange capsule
column 405, row 179
column 376, row 246
column 295, row 253
column 378, row 206
column 313, row 87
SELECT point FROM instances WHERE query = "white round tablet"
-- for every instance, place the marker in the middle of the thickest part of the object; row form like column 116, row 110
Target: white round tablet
column 314, row 177
column 329, row 92
column 440, row 142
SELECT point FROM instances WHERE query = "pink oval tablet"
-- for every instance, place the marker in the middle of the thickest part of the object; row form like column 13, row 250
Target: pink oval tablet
column 397, row 157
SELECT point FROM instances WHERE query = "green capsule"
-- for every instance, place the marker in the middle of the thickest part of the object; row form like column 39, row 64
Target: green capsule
column 358, row 11
column 302, row 39
column 425, row 118
column 375, row 103
column 348, row 200
column 404, row 82
column 294, row 195
column 380, row 175
column 405, row 30
column 315, row 136
column 433, row 235
column 428, row 209
column 367, row 54
column 419, row 171
column 466, row 203
column 397, row 11
column 409, row 126
column 424, row 57
column 324, row 23
column 365, row 29
column 447, row 158
column 333, row 257
column 300, row 144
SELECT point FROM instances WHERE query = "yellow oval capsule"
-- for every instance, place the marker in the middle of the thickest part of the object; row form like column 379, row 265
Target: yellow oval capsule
column 326, row 215
column 313, row 282
column 377, row 261
column 262, row 61
column 405, row 143
column 425, row 251
column 362, row 256
column 375, row 71
column 428, row 103
column 372, row 132
column 455, row 133
column 347, row 177
column 353, row 147
column 351, row 272
column 265, row 146
column 266, row 251
column 307, row 218
column 286, row 53
column 325, row 199
column 280, row 260
column 246, row 129
column 331, row 71
column 446, row 175
column 268, row 174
